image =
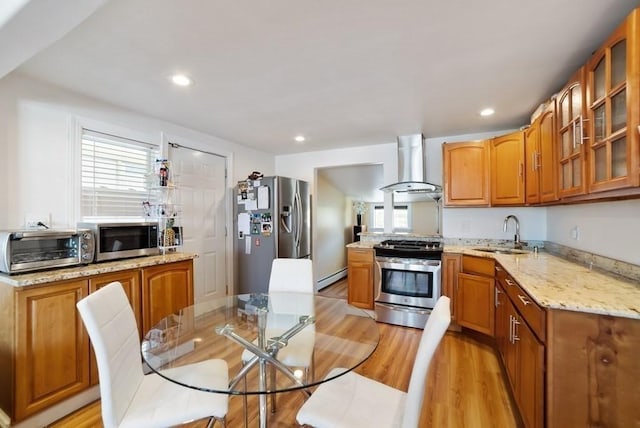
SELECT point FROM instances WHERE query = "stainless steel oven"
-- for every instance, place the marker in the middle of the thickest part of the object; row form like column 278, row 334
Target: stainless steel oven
column 409, row 282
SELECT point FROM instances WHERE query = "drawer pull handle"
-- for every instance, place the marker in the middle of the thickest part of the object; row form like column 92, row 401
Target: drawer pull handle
column 524, row 300
column 508, row 281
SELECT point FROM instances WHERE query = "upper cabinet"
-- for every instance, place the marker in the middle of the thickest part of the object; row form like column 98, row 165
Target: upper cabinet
column 507, row 169
column 540, row 159
column 466, row 173
column 570, row 137
column 613, row 108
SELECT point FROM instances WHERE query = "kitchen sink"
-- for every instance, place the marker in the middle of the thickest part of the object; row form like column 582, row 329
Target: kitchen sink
column 501, row 250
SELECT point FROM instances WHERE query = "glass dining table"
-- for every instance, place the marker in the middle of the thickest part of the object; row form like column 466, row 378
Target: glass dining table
column 261, row 337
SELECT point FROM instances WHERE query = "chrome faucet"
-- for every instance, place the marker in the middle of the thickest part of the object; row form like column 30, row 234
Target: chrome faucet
column 516, row 239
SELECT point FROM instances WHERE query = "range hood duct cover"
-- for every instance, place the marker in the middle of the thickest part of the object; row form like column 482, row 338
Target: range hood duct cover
column 412, row 172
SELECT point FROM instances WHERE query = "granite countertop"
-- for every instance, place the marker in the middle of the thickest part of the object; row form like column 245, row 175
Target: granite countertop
column 556, row 283
column 41, row 277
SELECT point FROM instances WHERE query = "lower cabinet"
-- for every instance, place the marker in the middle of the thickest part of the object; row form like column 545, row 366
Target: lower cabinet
column 46, row 355
column 451, row 264
column 51, row 346
column 360, row 277
column 165, row 289
column 474, row 298
column 522, row 352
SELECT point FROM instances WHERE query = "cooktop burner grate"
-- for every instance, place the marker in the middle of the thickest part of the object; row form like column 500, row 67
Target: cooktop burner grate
column 428, row 249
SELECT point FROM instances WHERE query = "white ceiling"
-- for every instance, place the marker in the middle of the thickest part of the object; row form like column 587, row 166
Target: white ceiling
column 343, row 73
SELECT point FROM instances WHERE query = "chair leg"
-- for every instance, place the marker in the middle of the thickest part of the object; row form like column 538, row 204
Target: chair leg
column 213, row 419
column 244, row 404
column 272, row 374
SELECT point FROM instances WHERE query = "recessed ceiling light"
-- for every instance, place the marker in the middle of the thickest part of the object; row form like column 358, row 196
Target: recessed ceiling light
column 181, row 80
column 487, row 112
column 299, row 138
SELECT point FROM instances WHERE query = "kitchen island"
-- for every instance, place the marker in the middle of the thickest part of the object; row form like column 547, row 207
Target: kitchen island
column 47, row 366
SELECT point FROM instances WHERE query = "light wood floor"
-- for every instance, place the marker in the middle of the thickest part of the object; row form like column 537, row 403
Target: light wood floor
column 465, row 389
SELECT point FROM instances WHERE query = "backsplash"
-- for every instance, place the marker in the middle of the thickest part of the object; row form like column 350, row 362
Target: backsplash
column 609, row 265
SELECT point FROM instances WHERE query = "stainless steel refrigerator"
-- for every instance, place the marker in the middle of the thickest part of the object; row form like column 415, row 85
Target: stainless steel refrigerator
column 272, row 220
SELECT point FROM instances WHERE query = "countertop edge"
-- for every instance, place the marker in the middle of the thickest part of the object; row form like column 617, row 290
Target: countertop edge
column 46, row 276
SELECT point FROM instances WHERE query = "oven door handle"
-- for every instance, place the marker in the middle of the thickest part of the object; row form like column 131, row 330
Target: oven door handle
column 377, row 280
column 407, row 309
column 432, row 266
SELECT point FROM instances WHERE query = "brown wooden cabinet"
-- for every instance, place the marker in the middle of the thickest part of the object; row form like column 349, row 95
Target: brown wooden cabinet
column 613, row 105
column 507, row 169
column 360, row 277
column 166, row 288
column 451, row 265
column 592, row 370
column 51, row 346
column 571, row 135
column 520, row 334
column 466, row 174
column 475, row 294
column 540, row 160
column 46, row 356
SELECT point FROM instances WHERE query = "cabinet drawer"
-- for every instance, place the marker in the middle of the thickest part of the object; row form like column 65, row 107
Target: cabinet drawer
column 533, row 314
column 478, row 265
column 363, row 255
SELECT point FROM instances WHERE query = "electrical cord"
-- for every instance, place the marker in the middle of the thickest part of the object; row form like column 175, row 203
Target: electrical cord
column 43, row 225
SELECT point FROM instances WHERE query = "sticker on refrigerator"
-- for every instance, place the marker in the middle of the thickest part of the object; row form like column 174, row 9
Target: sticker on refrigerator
column 266, row 228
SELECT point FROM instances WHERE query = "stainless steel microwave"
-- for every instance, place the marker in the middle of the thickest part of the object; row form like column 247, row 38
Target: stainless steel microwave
column 24, row 251
column 115, row 240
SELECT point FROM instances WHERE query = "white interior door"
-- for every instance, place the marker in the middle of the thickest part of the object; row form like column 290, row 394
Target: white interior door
column 202, row 185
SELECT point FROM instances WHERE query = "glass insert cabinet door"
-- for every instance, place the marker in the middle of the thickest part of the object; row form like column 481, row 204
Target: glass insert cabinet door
column 571, row 137
column 613, row 97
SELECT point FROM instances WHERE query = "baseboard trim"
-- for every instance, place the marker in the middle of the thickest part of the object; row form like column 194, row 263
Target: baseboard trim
column 328, row 280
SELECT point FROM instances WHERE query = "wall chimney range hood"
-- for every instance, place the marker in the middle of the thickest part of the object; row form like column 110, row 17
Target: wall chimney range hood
column 412, row 172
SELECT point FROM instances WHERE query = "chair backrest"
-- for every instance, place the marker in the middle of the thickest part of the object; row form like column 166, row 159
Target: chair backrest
column 434, row 330
column 109, row 319
column 292, row 275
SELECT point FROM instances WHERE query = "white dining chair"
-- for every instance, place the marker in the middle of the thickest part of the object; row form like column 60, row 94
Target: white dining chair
column 353, row 400
column 289, row 276
column 130, row 399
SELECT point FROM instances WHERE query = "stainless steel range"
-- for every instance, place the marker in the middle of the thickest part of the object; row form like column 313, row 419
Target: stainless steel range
column 409, row 282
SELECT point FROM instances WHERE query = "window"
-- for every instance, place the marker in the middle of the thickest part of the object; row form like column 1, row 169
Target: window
column 115, row 176
column 401, row 217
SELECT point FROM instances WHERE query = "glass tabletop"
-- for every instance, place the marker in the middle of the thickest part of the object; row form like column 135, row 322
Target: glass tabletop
column 303, row 338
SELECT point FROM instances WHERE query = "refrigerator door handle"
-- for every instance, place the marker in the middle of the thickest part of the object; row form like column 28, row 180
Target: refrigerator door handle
column 298, row 219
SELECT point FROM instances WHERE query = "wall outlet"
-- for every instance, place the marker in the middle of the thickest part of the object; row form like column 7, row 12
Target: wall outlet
column 34, row 221
column 575, row 233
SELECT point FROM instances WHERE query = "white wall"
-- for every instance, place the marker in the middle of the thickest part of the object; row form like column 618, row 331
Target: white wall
column 38, row 141
column 610, row 229
column 488, row 223
column 330, row 228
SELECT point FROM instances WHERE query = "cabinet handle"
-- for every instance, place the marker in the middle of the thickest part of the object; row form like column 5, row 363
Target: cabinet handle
column 496, row 299
column 516, row 323
column 535, row 161
column 498, row 269
column 510, row 329
column 582, row 136
column 524, row 300
column 539, row 160
column 508, row 281
column 521, row 169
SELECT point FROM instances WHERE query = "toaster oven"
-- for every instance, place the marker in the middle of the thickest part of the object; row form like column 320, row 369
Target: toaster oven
column 29, row 250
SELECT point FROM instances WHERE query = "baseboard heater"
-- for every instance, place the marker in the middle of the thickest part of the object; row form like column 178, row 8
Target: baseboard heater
column 328, row 280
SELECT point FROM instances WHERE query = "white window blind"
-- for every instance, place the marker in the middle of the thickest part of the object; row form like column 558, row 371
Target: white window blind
column 115, row 176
